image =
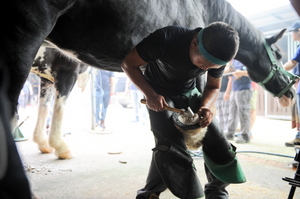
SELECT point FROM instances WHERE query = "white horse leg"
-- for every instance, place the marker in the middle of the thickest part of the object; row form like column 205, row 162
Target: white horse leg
column 40, row 135
column 66, row 73
column 55, row 138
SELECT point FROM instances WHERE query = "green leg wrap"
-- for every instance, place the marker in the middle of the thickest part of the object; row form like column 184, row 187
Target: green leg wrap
column 230, row 173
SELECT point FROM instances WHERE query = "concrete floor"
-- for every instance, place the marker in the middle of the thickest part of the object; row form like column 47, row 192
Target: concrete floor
column 95, row 173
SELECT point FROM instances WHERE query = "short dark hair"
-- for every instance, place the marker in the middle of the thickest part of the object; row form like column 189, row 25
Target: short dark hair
column 221, row 40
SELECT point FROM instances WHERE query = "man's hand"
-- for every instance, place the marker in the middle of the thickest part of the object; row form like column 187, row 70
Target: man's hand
column 206, row 116
column 156, row 103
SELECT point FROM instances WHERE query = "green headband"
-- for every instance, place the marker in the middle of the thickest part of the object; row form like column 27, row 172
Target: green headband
column 205, row 53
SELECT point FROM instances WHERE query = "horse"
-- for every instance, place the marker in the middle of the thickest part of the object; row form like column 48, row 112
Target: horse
column 58, row 73
column 100, row 33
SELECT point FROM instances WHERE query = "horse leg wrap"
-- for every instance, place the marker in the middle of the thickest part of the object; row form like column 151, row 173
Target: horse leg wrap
column 230, row 172
column 177, row 171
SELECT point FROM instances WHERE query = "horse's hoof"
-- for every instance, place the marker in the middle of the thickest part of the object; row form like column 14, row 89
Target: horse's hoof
column 65, row 155
column 46, row 149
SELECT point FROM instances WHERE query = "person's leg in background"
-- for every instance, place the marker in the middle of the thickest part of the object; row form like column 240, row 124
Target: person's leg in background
column 243, row 103
column 253, row 103
column 223, row 114
column 225, row 118
column 220, row 111
column 98, row 104
column 232, row 117
column 143, row 113
column 295, row 122
column 135, row 104
column 105, row 103
column 297, row 138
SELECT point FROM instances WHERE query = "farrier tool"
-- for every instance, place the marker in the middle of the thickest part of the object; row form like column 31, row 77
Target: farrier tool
column 188, row 123
column 168, row 108
column 188, row 112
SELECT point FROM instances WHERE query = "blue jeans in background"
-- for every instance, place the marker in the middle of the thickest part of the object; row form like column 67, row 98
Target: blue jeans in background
column 101, row 103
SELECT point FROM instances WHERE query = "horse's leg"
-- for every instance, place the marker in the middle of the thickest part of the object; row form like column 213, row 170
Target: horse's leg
column 46, row 97
column 24, row 27
column 56, row 141
column 13, row 180
column 66, row 76
column 83, row 76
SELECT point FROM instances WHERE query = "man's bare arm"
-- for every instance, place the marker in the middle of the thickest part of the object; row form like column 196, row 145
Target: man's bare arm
column 210, row 94
column 131, row 65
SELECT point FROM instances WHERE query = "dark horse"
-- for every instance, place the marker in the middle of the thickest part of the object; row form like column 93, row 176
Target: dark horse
column 101, row 32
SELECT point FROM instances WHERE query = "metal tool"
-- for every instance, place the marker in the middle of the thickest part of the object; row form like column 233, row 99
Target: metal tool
column 168, row 108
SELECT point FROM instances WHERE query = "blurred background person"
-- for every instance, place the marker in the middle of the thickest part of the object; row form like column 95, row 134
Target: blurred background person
column 239, row 104
column 293, row 64
column 140, row 111
column 222, row 103
column 104, row 85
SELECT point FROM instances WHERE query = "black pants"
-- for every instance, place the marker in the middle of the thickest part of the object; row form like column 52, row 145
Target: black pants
column 215, row 146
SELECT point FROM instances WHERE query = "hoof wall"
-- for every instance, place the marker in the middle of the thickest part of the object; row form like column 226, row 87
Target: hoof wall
column 65, row 155
column 46, row 150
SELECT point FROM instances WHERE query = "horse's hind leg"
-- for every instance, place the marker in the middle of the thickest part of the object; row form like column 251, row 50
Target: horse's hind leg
column 56, row 141
column 46, row 97
column 66, row 76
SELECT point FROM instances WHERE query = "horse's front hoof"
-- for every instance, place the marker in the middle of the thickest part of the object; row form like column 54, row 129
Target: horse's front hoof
column 46, row 149
column 65, row 155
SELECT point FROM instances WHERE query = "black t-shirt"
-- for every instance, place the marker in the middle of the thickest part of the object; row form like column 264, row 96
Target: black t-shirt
column 169, row 67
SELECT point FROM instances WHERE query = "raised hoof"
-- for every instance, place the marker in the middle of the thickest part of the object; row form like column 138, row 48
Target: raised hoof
column 65, row 155
column 46, row 149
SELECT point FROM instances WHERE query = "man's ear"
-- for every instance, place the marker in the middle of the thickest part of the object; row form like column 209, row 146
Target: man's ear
column 195, row 43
